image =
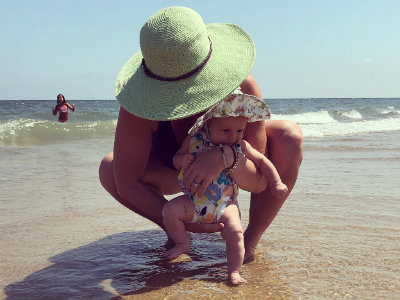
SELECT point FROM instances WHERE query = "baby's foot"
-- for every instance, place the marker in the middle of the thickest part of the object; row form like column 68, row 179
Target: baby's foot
column 176, row 251
column 236, row 279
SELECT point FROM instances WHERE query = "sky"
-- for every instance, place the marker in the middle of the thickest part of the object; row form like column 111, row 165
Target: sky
column 305, row 48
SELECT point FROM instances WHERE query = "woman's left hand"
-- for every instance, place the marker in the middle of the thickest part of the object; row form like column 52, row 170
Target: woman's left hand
column 203, row 170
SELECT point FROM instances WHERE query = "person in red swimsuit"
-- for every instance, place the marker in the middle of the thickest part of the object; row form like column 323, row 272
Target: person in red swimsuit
column 62, row 108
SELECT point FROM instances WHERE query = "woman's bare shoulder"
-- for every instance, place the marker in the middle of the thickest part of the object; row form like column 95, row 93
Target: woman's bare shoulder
column 249, row 86
column 128, row 122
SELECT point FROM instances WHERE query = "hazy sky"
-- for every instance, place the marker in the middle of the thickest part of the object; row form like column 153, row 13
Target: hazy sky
column 305, row 48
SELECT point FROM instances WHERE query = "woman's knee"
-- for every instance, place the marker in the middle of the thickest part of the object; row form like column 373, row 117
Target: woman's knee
column 288, row 130
column 106, row 175
column 288, row 133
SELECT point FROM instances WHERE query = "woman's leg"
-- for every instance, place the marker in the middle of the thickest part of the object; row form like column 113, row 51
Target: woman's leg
column 233, row 236
column 284, row 149
column 159, row 179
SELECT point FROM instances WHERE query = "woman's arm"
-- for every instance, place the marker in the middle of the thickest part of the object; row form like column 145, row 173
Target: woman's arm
column 208, row 165
column 139, row 180
column 181, row 153
column 132, row 146
column 255, row 131
column 55, row 109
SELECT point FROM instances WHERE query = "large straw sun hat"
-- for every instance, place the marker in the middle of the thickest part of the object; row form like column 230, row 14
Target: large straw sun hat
column 184, row 66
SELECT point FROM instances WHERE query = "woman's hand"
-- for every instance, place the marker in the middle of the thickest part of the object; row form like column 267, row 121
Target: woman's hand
column 187, row 160
column 204, row 227
column 204, row 169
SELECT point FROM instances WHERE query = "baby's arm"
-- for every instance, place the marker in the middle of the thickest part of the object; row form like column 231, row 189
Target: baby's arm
column 267, row 169
column 182, row 158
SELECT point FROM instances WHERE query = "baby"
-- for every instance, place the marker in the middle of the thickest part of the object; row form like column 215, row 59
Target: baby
column 221, row 126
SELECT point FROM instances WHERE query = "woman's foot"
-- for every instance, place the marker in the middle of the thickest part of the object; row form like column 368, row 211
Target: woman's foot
column 236, row 279
column 176, row 251
column 249, row 254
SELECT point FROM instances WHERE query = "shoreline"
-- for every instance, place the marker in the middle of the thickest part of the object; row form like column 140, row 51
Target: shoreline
column 64, row 237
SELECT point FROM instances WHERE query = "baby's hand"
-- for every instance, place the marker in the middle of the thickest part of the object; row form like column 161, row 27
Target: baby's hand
column 279, row 189
column 187, row 160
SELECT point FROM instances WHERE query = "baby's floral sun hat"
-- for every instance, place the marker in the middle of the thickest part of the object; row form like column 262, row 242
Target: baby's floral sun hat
column 236, row 104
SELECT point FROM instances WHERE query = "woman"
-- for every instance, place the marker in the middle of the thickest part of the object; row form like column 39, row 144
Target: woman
column 184, row 67
column 62, row 108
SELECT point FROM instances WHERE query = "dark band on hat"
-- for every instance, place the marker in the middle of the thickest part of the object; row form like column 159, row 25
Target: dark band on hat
column 186, row 75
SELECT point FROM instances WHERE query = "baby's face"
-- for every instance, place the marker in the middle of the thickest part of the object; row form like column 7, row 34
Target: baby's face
column 227, row 130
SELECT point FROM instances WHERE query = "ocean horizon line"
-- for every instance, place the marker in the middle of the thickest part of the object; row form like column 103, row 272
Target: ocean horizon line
column 283, row 98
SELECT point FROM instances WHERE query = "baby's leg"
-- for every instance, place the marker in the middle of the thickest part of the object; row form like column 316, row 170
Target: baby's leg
column 175, row 213
column 233, row 236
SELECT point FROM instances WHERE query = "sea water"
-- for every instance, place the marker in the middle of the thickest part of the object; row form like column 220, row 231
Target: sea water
column 30, row 122
column 63, row 237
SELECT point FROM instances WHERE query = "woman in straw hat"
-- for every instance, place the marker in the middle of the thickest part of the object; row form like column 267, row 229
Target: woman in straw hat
column 183, row 68
column 223, row 125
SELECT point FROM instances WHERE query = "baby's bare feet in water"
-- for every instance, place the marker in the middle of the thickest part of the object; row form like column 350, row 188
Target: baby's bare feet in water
column 236, row 279
column 176, row 251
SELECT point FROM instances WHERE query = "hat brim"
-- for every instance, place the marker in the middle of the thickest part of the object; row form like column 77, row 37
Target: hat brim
column 231, row 60
column 251, row 107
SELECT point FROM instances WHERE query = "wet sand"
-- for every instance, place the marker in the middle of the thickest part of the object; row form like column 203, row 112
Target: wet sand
column 337, row 236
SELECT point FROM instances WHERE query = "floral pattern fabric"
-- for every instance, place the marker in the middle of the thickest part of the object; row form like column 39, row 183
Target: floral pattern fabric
column 219, row 194
column 236, row 104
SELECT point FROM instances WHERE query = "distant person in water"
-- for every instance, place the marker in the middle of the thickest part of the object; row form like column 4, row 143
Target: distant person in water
column 62, row 108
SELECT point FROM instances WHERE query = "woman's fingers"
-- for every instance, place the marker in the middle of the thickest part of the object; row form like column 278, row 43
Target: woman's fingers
column 204, row 227
column 202, row 171
column 203, row 186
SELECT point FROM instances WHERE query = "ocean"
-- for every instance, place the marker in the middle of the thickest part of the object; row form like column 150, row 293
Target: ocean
column 63, row 237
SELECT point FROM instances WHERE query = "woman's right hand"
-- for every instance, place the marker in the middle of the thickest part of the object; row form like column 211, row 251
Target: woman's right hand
column 203, row 170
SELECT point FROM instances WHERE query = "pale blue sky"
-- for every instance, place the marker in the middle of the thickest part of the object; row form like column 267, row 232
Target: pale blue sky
column 305, row 48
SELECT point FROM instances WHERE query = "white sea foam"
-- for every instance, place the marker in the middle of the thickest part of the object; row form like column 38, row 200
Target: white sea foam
column 353, row 114
column 31, row 132
column 318, row 117
column 322, row 124
column 390, row 110
column 340, row 129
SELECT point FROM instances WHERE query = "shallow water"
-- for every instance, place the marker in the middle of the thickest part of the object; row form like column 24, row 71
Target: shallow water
column 337, row 236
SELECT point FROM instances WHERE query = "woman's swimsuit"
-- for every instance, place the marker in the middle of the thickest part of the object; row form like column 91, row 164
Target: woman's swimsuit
column 220, row 193
column 164, row 144
column 62, row 109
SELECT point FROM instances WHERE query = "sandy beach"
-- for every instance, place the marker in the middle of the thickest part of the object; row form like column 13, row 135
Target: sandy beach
column 337, row 236
column 332, row 67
